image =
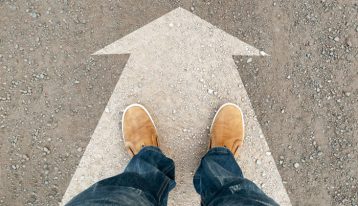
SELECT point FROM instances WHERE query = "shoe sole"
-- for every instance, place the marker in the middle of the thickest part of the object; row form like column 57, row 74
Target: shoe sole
column 222, row 106
column 146, row 111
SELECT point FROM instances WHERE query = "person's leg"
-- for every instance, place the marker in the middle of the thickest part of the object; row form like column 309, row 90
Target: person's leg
column 149, row 176
column 219, row 179
column 147, row 180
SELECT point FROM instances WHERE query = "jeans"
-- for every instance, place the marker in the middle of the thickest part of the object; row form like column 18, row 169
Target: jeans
column 149, row 177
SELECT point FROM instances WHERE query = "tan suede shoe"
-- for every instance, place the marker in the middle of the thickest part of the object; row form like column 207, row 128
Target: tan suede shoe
column 227, row 129
column 138, row 129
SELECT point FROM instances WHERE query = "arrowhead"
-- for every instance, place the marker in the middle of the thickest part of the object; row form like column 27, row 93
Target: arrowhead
column 179, row 30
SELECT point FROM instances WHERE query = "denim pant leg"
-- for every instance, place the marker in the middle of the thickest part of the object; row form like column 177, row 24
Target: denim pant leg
column 219, row 181
column 147, row 180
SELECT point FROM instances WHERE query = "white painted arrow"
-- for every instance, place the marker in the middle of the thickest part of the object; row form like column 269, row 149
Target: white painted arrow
column 181, row 69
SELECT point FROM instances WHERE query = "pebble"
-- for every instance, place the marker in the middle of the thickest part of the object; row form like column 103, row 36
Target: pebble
column 26, row 157
column 210, row 91
column 336, row 38
column 249, row 60
column 296, row 165
column 34, row 14
column 47, row 150
column 347, row 94
column 349, row 43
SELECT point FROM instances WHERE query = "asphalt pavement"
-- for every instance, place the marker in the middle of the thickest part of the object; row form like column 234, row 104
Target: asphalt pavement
column 304, row 94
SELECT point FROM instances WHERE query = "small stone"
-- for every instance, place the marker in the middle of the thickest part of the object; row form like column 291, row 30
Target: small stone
column 47, row 150
column 296, row 165
column 349, row 43
column 249, row 60
column 79, row 149
column 336, row 38
column 262, row 53
column 26, row 157
column 34, row 14
column 347, row 94
column 210, row 91
column 171, row 24
column 258, row 162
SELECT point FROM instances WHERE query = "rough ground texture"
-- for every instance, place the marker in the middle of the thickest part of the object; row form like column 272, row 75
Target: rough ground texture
column 52, row 92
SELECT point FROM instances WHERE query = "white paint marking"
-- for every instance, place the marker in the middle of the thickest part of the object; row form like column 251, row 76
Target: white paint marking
column 175, row 60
